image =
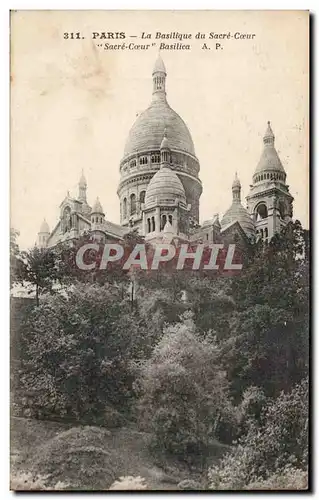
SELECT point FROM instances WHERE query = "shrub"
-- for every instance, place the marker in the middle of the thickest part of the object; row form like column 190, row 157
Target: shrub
column 79, row 457
column 279, row 441
column 288, row 478
column 183, row 392
column 77, row 357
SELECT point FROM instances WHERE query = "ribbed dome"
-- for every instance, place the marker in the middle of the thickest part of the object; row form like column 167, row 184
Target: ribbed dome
column 148, row 130
column 238, row 213
column 269, row 160
column 164, row 186
column 44, row 227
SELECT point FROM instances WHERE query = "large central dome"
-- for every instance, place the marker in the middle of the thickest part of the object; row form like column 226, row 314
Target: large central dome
column 148, row 130
column 142, row 158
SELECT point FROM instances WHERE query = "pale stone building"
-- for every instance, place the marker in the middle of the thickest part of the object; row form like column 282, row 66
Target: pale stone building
column 160, row 189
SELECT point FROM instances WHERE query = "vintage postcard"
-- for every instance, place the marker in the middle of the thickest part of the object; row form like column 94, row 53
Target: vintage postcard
column 159, row 250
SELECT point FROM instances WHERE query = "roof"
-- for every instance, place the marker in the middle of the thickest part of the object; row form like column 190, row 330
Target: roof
column 230, row 227
column 237, row 213
column 147, row 132
column 159, row 66
column 269, row 160
column 44, row 228
column 164, row 186
column 97, row 207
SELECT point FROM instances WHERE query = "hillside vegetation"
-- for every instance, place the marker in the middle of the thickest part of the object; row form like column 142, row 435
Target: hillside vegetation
column 195, row 381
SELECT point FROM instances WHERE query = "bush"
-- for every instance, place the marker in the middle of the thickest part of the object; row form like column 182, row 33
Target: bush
column 288, row 478
column 183, row 392
column 279, row 441
column 77, row 360
column 79, row 457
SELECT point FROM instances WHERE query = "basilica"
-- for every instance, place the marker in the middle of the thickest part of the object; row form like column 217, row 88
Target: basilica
column 160, row 188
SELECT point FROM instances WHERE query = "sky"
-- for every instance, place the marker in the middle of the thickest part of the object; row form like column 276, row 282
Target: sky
column 73, row 103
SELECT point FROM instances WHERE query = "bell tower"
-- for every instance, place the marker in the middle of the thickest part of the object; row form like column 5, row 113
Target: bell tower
column 269, row 202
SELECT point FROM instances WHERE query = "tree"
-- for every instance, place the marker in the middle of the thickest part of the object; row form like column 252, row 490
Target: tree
column 38, row 267
column 79, row 348
column 273, row 444
column 268, row 343
column 183, row 392
column 16, row 264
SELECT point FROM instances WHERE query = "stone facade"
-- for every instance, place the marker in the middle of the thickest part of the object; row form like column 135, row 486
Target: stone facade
column 160, row 189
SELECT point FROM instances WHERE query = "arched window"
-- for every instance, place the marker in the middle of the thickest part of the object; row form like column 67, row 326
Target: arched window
column 155, row 158
column 124, row 208
column 148, row 225
column 132, row 204
column 266, row 232
column 261, row 212
column 262, row 234
column 143, row 160
column 163, row 221
column 267, row 176
column 153, row 224
column 142, row 197
column 170, row 218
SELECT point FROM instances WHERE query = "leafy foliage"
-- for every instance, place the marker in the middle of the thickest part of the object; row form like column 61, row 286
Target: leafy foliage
column 78, row 349
column 38, row 267
column 183, row 391
column 192, row 357
column 268, row 343
column 278, row 441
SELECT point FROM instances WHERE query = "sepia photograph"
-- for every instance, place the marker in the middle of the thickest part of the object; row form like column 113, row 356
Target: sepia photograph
column 159, row 250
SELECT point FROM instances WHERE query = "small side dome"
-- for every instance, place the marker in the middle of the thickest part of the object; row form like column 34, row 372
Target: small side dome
column 97, row 207
column 164, row 186
column 237, row 213
column 269, row 161
column 44, row 227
